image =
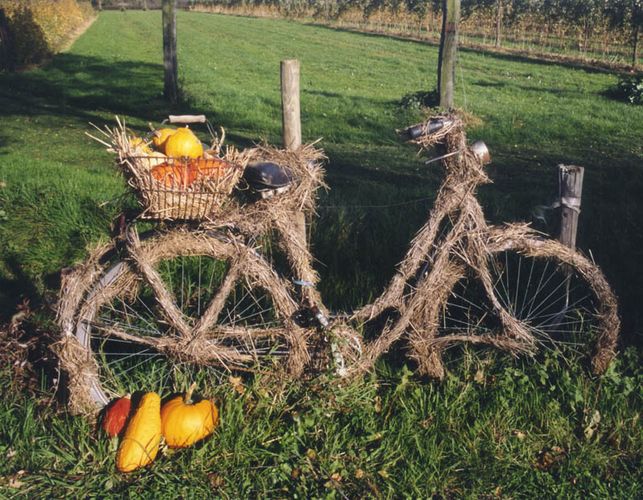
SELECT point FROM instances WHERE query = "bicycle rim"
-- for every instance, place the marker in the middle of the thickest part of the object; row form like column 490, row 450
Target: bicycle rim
column 558, row 308
column 137, row 346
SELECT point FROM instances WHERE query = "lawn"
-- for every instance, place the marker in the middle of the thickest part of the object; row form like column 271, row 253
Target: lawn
column 496, row 426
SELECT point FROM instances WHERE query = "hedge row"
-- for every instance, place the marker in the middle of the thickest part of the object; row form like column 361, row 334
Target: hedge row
column 32, row 30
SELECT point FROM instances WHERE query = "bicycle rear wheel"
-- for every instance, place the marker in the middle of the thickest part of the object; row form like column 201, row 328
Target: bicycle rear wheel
column 545, row 295
column 186, row 307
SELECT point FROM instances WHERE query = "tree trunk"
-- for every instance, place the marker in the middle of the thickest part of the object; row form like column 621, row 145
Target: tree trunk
column 448, row 52
column 498, row 23
column 171, row 87
column 635, row 46
column 6, row 44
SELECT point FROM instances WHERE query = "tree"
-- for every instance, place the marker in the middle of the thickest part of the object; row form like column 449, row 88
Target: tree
column 628, row 15
column 171, row 84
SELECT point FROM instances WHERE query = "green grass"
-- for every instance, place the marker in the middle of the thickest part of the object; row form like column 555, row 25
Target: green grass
column 487, row 430
column 59, row 192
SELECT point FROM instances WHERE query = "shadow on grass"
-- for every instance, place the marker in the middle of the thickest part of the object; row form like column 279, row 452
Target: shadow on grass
column 80, row 86
column 89, row 89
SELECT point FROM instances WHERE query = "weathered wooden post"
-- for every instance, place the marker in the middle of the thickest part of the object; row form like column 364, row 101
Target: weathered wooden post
column 171, row 86
column 291, row 126
column 570, row 180
column 498, row 22
column 448, row 51
column 291, row 119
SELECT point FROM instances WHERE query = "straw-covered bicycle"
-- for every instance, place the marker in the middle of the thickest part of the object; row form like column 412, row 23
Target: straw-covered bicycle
column 231, row 286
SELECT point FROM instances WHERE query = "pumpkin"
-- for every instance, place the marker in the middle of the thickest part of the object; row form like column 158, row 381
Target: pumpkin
column 182, row 143
column 184, row 422
column 139, row 146
column 142, row 437
column 174, row 175
column 116, row 415
column 161, row 136
column 213, row 167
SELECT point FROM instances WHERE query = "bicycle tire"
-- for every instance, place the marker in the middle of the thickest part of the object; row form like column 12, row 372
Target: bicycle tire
column 559, row 296
column 122, row 318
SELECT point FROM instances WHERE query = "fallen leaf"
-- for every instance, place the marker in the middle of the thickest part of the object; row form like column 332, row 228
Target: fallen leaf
column 479, row 376
column 519, row 434
column 547, row 458
column 593, row 425
column 15, row 483
column 237, row 384
column 216, row 480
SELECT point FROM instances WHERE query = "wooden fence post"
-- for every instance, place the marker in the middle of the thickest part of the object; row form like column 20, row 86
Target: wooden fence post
column 171, row 86
column 291, row 120
column 570, row 181
column 291, row 125
column 448, row 52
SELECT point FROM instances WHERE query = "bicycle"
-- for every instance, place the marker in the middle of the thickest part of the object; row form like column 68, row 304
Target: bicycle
column 148, row 294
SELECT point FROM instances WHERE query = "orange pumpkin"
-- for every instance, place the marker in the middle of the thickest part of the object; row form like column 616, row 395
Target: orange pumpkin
column 213, row 167
column 174, row 175
column 184, row 422
column 115, row 416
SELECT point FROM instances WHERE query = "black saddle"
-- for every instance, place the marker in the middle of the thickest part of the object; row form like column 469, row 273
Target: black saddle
column 267, row 178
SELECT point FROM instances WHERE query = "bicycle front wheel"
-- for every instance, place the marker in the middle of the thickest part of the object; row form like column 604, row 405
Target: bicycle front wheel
column 185, row 307
column 544, row 295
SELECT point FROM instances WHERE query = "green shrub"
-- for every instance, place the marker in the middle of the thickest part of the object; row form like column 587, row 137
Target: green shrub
column 38, row 28
column 630, row 89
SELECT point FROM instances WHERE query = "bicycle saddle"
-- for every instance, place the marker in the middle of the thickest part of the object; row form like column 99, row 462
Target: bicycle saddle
column 267, row 178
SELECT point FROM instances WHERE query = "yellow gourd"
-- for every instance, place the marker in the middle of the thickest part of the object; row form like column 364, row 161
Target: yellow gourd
column 183, row 143
column 184, row 422
column 161, row 136
column 142, row 437
column 139, row 145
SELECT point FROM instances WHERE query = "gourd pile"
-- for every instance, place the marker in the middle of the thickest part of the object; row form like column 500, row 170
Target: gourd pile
column 180, row 422
column 177, row 158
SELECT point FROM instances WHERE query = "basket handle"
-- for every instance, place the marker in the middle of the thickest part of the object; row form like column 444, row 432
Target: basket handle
column 187, row 119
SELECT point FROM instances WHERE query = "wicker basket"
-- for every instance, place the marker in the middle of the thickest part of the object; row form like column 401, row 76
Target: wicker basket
column 181, row 189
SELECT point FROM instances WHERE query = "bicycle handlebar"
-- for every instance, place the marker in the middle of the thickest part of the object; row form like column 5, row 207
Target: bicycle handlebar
column 429, row 127
column 187, row 119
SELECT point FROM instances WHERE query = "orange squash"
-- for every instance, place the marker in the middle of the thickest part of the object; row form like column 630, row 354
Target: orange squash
column 184, row 422
column 115, row 416
column 213, row 167
column 174, row 175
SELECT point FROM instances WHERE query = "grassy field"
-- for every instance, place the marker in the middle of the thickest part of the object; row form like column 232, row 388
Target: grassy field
column 497, row 426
